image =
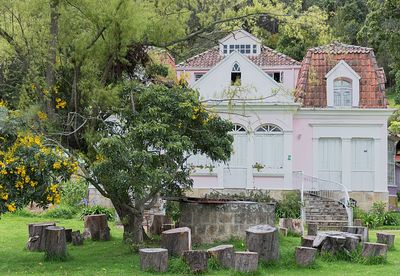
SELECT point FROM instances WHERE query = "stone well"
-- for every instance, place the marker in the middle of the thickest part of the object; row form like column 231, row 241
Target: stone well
column 219, row 221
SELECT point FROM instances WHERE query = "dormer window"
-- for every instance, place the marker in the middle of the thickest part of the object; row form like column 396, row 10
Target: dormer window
column 236, row 75
column 342, row 92
column 342, row 86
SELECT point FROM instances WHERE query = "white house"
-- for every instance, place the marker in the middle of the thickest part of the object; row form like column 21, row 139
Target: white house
column 326, row 117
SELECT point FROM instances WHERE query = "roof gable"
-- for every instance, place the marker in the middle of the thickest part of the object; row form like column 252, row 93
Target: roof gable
column 340, row 66
column 238, row 35
column 256, row 84
column 311, row 88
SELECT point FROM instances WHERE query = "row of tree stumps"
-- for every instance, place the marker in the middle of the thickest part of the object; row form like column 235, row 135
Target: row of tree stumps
column 52, row 240
column 262, row 243
column 345, row 241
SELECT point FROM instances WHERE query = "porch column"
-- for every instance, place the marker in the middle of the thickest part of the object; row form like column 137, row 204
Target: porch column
column 346, row 163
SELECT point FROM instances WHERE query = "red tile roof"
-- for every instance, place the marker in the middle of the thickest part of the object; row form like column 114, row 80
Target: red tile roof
column 311, row 82
column 211, row 57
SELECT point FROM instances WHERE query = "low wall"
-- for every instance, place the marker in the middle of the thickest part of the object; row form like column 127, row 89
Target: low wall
column 211, row 222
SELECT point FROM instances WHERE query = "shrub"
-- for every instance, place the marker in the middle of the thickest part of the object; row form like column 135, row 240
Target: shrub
column 61, row 212
column 289, row 206
column 377, row 216
column 73, row 192
column 173, row 210
column 97, row 209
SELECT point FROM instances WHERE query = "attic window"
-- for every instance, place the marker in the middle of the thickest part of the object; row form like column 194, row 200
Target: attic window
column 197, row 76
column 342, row 92
column 236, row 75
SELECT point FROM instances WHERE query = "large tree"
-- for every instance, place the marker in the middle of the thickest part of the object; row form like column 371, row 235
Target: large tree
column 140, row 152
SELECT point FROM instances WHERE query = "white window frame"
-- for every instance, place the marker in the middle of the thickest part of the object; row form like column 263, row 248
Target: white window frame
column 342, row 95
column 265, row 131
column 342, row 70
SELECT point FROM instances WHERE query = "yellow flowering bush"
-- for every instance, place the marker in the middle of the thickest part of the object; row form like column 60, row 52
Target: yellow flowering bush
column 31, row 171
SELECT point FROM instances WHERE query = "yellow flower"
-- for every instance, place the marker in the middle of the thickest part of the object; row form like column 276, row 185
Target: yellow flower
column 19, row 185
column 27, row 179
column 33, row 183
column 11, row 207
column 42, row 116
column 45, row 91
column 57, row 198
column 49, row 198
column 53, row 188
column 33, row 86
column 4, row 196
column 60, row 103
column 2, row 103
column 57, row 165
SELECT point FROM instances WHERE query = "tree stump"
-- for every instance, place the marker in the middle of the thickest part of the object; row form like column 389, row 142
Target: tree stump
column 157, row 226
column 37, row 238
column 305, row 256
column 167, row 226
column 68, row 235
column 176, row 241
column 351, row 243
column 197, row 260
column 153, row 259
column 77, row 238
column 283, row 231
column 363, row 231
column 385, row 238
column 224, row 254
column 263, row 239
column 312, row 229
column 292, row 225
column 56, row 244
column 246, row 261
column 96, row 227
column 357, row 222
column 335, row 241
column 371, row 249
column 307, row 241
column 333, row 244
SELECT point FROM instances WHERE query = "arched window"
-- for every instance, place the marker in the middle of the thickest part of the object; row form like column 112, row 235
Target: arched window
column 236, row 75
column 238, row 128
column 268, row 150
column 342, row 92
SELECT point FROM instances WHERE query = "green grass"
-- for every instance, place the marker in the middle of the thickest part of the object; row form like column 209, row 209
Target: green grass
column 115, row 258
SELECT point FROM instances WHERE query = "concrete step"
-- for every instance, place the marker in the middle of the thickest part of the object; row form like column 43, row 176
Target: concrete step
column 326, row 217
column 328, row 223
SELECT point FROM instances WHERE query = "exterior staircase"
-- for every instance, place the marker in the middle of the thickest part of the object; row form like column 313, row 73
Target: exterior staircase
column 328, row 214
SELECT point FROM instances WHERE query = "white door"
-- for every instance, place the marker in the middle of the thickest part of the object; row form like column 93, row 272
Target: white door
column 363, row 173
column 235, row 171
column 330, row 159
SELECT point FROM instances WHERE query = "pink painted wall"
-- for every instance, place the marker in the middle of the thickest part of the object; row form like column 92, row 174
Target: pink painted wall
column 302, row 146
column 268, row 182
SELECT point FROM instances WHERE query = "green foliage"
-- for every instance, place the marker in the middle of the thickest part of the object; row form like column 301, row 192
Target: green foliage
column 173, row 210
column 29, row 169
column 154, row 70
column 178, row 266
column 97, row 209
column 61, row 212
column 73, row 192
column 289, row 206
column 377, row 216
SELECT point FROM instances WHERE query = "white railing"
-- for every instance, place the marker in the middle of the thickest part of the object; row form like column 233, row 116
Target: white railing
column 322, row 188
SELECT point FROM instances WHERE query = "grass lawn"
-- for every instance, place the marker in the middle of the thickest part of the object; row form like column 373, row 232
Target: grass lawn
column 114, row 258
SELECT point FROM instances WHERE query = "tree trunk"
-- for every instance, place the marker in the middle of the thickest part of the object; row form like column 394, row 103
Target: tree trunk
column 132, row 222
column 96, row 227
column 51, row 63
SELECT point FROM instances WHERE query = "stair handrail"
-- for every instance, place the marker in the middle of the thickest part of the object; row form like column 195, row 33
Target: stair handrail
column 337, row 191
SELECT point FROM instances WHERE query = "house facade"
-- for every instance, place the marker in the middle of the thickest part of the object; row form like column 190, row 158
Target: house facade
column 326, row 117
